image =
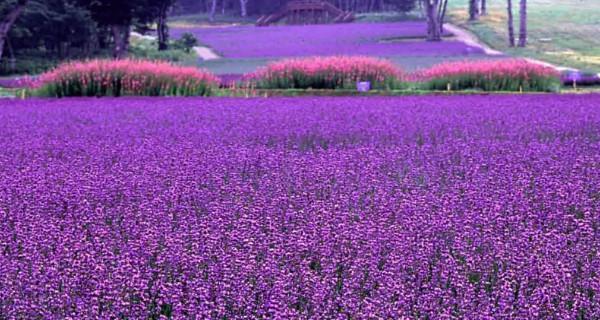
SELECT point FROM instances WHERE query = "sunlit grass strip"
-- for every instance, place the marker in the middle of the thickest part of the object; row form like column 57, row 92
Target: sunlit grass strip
column 337, row 72
column 125, row 78
column 501, row 75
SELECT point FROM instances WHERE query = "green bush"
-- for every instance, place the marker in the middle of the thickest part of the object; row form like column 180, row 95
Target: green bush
column 499, row 75
column 125, row 78
column 187, row 42
column 327, row 73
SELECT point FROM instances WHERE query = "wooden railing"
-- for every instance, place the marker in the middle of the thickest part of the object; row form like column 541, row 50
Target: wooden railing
column 307, row 11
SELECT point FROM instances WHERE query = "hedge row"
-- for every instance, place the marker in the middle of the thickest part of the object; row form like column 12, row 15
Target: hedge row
column 125, row 78
column 150, row 78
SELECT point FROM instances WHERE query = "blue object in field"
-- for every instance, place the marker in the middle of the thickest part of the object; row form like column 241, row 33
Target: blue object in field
column 574, row 76
column 363, row 86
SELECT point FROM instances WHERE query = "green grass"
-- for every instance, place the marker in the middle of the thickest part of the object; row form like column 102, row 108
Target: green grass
column 27, row 63
column 143, row 48
column 7, row 93
column 390, row 16
column 413, row 91
column 202, row 19
column 234, row 66
column 563, row 32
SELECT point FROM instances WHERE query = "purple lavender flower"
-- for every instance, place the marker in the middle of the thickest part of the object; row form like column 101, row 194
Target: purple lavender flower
column 412, row 207
column 376, row 39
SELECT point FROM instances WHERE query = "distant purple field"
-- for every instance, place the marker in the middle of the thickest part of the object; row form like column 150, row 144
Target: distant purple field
column 329, row 39
column 472, row 207
column 12, row 83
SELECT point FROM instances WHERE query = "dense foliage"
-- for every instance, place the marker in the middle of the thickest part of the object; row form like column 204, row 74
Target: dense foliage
column 468, row 207
column 125, row 78
column 327, row 73
column 493, row 75
column 49, row 31
column 257, row 7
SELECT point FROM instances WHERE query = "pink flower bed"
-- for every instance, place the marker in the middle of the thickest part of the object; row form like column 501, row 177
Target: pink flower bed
column 126, row 77
column 507, row 74
column 327, row 73
column 507, row 68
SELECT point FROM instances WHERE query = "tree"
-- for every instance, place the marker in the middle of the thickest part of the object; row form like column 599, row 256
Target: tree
column 14, row 10
column 523, row 24
column 117, row 16
column 473, row 10
column 442, row 15
column 157, row 11
column 483, row 7
column 511, row 27
column 244, row 8
column 213, row 10
column 435, row 12
column 400, row 5
column 161, row 26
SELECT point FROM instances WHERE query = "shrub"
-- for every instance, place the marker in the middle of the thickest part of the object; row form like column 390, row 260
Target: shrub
column 187, row 42
column 125, row 78
column 499, row 75
column 338, row 72
column 147, row 49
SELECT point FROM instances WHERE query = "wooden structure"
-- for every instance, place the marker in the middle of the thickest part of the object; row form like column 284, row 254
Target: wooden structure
column 307, row 12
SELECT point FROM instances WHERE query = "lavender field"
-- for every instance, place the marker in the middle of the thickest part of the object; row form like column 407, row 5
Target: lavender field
column 471, row 207
column 374, row 39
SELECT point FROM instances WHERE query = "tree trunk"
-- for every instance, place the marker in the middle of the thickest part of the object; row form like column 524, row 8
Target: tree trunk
column 511, row 26
column 244, row 8
column 121, row 39
column 2, row 41
column 442, row 15
column 433, row 25
column 8, row 21
column 473, row 10
column 213, row 10
column 523, row 24
column 483, row 7
column 163, row 29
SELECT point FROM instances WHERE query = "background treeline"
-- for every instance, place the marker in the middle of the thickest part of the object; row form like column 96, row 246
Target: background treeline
column 47, row 31
column 259, row 7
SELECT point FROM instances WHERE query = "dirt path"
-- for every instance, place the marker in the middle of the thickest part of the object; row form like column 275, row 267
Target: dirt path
column 467, row 37
column 206, row 53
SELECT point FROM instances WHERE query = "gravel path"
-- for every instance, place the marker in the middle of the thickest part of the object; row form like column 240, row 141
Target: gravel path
column 206, row 53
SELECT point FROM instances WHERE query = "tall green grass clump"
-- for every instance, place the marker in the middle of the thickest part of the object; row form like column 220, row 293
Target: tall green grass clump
column 339, row 72
column 96, row 78
column 499, row 75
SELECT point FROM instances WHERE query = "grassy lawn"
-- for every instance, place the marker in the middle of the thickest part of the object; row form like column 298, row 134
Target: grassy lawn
column 7, row 93
column 202, row 19
column 233, row 66
column 563, row 32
